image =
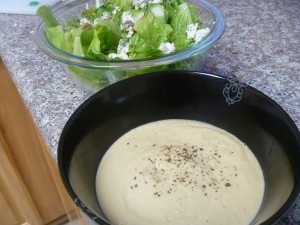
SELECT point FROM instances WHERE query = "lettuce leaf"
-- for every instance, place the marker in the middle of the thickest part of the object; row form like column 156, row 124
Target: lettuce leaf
column 152, row 30
column 86, row 39
column 158, row 11
column 94, row 49
column 90, row 13
column 58, row 38
column 124, row 5
column 138, row 48
column 68, row 42
column 96, row 79
column 194, row 14
column 112, row 26
column 181, row 19
column 106, row 38
column 45, row 12
column 181, row 41
column 77, row 50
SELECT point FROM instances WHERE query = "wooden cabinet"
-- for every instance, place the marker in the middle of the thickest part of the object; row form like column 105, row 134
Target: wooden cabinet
column 31, row 191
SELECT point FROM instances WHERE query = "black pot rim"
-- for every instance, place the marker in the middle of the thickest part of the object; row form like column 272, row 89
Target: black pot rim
column 77, row 112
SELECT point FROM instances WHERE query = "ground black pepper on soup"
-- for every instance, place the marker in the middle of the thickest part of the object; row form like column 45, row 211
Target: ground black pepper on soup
column 179, row 172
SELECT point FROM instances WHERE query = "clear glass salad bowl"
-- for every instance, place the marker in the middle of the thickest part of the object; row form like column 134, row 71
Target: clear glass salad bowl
column 93, row 75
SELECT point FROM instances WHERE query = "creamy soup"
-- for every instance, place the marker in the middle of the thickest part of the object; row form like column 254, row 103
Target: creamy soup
column 179, row 172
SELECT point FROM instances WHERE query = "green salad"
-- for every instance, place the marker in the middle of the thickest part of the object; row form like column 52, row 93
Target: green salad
column 126, row 29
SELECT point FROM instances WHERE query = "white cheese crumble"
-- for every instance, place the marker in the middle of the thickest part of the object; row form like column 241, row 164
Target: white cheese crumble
column 156, row 1
column 167, row 47
column 99, row 3
column 115, row 10
column 193, row 33
column 122, row 50
column 191, row 30
column 138, row 17
column 85, row 21
column 120, row 56
column 140, row 4
column 130, row 32
column 97, row 21
column 158, row 12
column 201, row 34
column 104, row 16
column 127, row 23
column 123, row 46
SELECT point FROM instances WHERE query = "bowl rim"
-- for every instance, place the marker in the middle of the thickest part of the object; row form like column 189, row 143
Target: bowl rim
column 275, row 217
column 49, row 49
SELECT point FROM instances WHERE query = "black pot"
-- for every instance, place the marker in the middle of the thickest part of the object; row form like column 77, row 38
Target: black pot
column 241, row 110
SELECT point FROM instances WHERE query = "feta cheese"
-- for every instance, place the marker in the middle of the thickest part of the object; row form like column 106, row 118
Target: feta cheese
column 140, row 3
column 122, row 50
column 85, row 21
column 99, row 3
column 126, row 20
column 158, row 11
column 156, row 1
column 115, row 10
column 191, row 30
column 104, row 16
column 201, row 34
column 113, row 55
column 193, row 33
column 123, row 46
column 120, row 56
column 138, row 16
column 127, row 23
column 123, row 55
column 97, row 21
column 130, row 32
column 167, row 47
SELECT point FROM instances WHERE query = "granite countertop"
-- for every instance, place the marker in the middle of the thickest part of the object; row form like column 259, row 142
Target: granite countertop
column 261, row 41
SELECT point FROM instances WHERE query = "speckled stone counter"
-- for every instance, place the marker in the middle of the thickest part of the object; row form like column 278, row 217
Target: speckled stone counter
column 261, row 42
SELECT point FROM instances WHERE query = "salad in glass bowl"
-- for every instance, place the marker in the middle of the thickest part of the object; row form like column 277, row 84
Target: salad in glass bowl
column 101, row 42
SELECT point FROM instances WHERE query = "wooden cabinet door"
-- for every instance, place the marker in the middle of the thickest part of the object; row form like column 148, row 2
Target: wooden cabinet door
column 16, row 205
column 30, row 187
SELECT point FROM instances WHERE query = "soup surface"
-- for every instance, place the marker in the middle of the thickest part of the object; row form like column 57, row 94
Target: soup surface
column 179, row 172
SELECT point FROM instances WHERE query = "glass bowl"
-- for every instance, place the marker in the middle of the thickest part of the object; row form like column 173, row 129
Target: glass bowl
column 93, row 75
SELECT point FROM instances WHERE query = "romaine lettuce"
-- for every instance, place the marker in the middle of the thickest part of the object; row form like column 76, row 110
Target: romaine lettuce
column 144, row 24
column 152, row 30
column 77, row 50
column 140, row 49
column 45, row 12
column 181, row 19
column 97, row 34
